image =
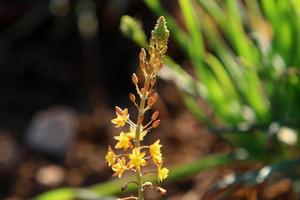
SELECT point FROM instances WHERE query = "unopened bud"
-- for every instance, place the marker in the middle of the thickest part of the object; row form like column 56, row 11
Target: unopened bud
column 132, row 97
column 155, row 97
column 134, row 78
column 119, row 111
column 150, row 102
column 161, row 190
column 142, row 55
column 161, row 31
column 154, row 115
column 156, row 123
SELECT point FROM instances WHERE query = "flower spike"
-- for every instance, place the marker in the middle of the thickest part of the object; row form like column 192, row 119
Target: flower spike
column 133, row 155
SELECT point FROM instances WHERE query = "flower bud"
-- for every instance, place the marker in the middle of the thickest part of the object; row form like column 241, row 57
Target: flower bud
column 155, row 97
column 150, row 102
column 134, row 78
column 160, row 32
column 142, row 55
column 154, row 115
column 156, row 123
column 119, row 111
column 161, row 190
column 132, row 97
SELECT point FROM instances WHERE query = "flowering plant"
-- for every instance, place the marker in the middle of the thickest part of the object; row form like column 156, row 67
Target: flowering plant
column 135, row 156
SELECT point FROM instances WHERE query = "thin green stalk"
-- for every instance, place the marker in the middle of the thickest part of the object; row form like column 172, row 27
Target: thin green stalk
column 137, row 137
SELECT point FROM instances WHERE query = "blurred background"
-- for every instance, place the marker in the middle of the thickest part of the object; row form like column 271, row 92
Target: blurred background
column 229, row 96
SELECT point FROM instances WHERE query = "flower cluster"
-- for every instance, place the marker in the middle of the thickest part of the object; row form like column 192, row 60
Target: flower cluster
column 133, row 155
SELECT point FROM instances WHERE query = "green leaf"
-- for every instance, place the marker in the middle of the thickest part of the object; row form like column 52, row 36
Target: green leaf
column 132, row 28
column 196, row 47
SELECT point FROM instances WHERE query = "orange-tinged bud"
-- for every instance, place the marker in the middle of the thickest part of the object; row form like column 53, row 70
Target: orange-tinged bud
column 155, row 97
column 150, row 102
column 119, row 110
column 154, row 115
column 156, row 123
column 142, row 55
column 132, row 97
column 134, row 78
column 161, row 190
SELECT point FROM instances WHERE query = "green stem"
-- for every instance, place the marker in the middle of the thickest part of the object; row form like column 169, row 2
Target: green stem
column 137, row 136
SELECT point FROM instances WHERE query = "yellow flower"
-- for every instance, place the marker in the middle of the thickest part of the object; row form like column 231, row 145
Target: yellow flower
column 132, row 134
column 124, row 141
column 136, row 159
column 162, row 173
column 122, row 117
column 119, row 167
column 110, row 157
column 155, row 152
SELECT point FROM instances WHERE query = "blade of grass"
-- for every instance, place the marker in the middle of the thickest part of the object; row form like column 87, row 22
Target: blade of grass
column 231, row 23
column 196, row 53
column 182, row 79
column 132, row 28
column 216, row 41
column 215, row 10
column 191, row 103
column 255, row 96
column 269, row 9
column 221, row 75
column 195, row 44
column 296, row 6
column 235, row 31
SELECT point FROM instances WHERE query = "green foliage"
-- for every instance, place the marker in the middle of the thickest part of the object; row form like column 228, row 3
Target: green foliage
column 246, row 60
column 132, row 28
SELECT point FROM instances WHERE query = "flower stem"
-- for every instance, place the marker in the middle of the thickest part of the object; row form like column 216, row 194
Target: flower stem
column 137, row 136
